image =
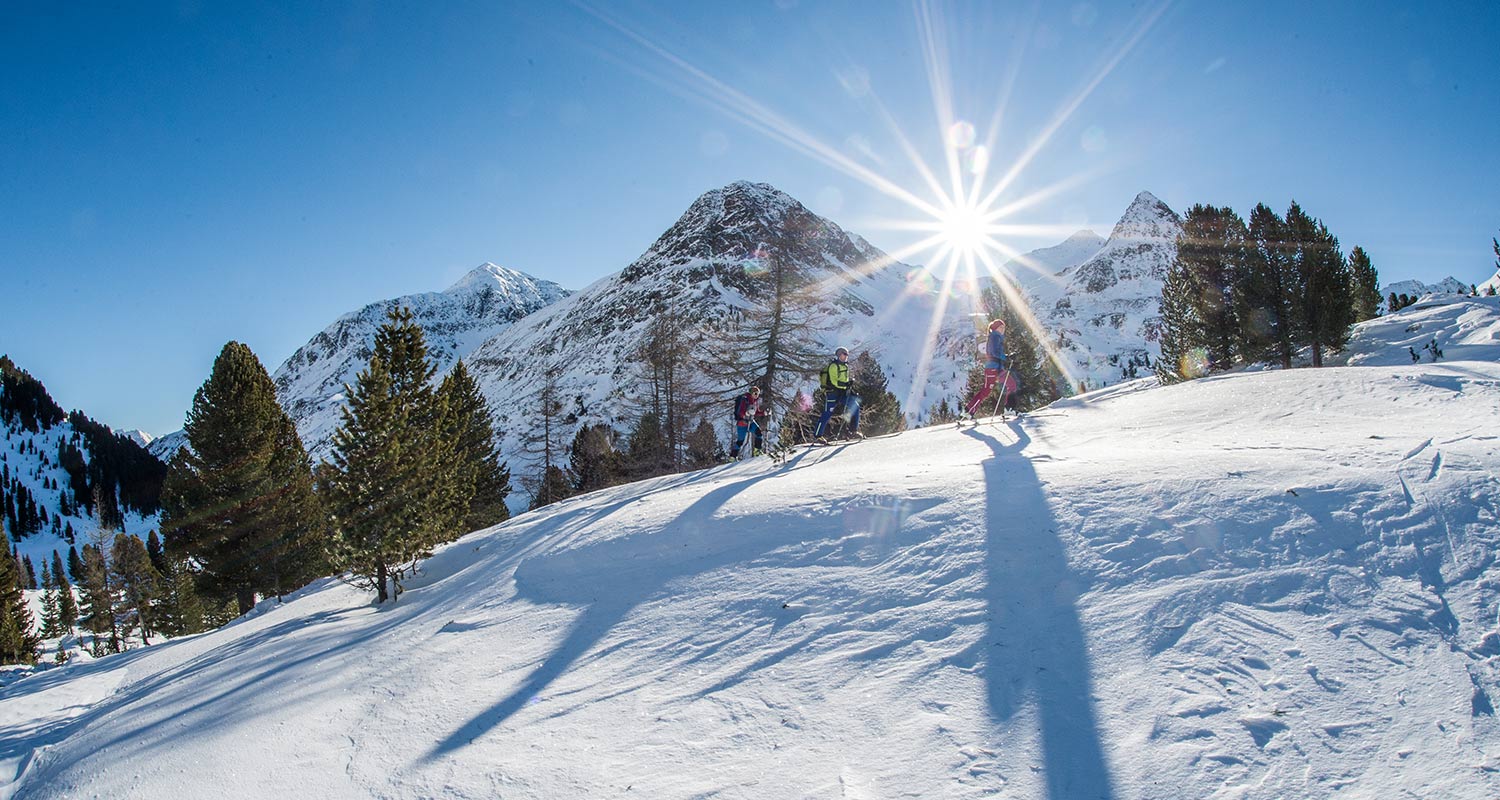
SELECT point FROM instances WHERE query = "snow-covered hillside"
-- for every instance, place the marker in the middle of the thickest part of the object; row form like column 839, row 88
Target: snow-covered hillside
column 456, row 321
column 1264, row 585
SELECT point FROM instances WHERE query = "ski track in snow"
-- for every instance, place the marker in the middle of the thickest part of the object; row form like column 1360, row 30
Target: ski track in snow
column 1189, row 591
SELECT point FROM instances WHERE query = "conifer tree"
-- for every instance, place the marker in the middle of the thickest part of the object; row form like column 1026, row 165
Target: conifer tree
column 593, row 461
column 75, row 564
column 51, row 605
column 481, row 482
column 1267, row 290
column 392, row 487
column 238, row 500
column 879, row 410
column 19, row 641
column 703, row 446
column 137, row 584
column 98, row 600
column 179, row 609
column 67, row 605
column 775, row 343
column 1365, row 283
column 648, row 453
column 1209, row 264
column 154, row 551
column 554, row 486
column 1325, row 303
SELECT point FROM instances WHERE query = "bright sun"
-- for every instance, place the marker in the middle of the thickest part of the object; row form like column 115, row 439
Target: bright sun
column 965, row 230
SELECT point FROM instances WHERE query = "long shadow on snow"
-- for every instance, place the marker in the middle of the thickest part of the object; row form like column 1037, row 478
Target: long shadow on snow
column 624, row 588
column 1035, row 640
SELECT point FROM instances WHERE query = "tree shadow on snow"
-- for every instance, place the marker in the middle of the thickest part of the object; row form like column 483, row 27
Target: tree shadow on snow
column 1034, row 647
column 613, row 577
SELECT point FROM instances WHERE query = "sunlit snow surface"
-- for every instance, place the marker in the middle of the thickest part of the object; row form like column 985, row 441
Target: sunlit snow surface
column 1266, row 585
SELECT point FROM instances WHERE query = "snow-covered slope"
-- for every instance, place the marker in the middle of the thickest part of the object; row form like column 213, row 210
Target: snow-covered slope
column 1262, row 585
column 1461, row 327
column 1492, row 284
column 1045, row 273
column 482, row 303
column 1104, row 314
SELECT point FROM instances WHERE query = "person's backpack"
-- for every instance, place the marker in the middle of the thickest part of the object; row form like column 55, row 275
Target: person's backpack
column 741, row 403
column 823, row 382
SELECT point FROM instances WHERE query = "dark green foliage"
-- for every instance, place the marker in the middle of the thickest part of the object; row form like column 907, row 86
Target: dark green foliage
column 554, row 486
column 1201, row 327
column 155, row 552
column 1324, row 307
column 703, row 446
column 51, row 605
column 1365, row 285
column 879, row 410
column 75, row 564
column 179, row 609
column 1267, row 291
column 120, row 472
column 67, row 605
column 593, row 461
column 136, row 583
column 648, row 453
column 24, row 401
column 98, row 612
column 393, row 490
column 29, row 573
column 481, row 482
column 19, row 641
column 239, row 498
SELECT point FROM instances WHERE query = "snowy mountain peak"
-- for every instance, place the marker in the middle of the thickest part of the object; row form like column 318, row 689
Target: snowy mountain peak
column 491, row 275
column 747, row 221
column 1147, row 218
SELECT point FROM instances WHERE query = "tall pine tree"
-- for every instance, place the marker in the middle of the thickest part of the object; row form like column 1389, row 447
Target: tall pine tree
column 1324, row 302
column 19, row 641
column 1365, row 283
column 481, row 482
column 238, row 500
column 392, row 487
column 879, row 410
column 1267, row 291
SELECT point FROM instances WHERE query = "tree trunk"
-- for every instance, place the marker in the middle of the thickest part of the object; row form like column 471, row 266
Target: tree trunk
column 245, row 599
column 380, row 577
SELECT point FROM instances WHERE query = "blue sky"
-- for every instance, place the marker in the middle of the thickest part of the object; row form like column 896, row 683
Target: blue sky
column 178, row 175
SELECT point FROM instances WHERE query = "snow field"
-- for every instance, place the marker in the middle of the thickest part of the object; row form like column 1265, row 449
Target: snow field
column 1265, row 585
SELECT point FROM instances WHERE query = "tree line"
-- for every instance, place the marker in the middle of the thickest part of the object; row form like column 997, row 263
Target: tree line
column 1241, row 293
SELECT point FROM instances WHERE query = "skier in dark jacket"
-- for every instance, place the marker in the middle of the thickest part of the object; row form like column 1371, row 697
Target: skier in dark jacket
column 746, row 409
column 837, row 391
column 994, row 366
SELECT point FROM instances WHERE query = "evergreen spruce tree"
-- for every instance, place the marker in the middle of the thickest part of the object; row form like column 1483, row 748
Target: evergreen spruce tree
column 593, row 461
column 392, row 488
column 1366, row 285
column 67, row 604
column 648, row 453
column 98, row 600
column 179, row 610
column 157, row 555
column 51, row 605
column 137, row 583
column 703, row 446
column 75, row 564
column 879, row 410
column 1267, row 291
column 482, row 482
column 1325, row 303
column 1204, row 276
column 238, row 500
column 554, row 486
column 19, row 642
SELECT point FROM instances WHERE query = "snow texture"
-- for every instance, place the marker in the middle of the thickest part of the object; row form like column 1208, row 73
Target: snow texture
column 1278, row 584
